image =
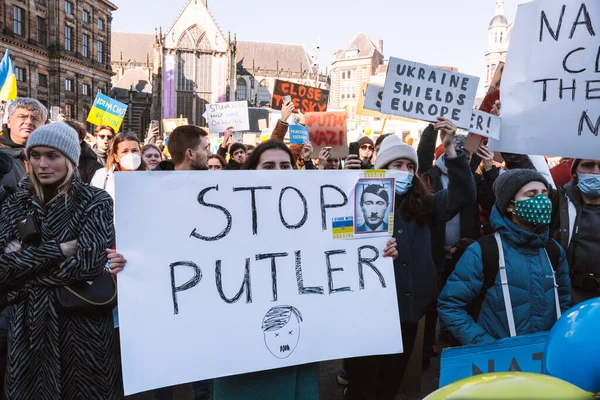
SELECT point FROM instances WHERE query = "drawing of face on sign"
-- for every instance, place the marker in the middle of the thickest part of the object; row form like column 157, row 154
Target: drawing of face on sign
column 281, row 327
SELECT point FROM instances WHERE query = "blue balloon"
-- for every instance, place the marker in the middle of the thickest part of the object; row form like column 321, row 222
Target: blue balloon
column 573, row 348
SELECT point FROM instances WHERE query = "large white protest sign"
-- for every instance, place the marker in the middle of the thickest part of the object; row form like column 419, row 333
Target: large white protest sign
column 231, row 114
column 423, row 92
column 550, row 88
column 250, row 271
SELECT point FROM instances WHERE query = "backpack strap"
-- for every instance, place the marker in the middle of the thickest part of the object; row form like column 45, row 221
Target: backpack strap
column 505, row 288
column 552, row 251
column 490, row 266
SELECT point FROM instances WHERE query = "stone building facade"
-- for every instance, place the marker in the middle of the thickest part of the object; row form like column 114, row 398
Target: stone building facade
column 60, row 50
column 194, row 64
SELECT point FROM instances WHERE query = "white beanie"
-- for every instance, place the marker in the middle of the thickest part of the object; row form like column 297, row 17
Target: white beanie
column 393, row 148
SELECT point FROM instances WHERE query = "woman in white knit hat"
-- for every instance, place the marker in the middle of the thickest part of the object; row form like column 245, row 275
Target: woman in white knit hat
column 55, row 231
column 417, row 211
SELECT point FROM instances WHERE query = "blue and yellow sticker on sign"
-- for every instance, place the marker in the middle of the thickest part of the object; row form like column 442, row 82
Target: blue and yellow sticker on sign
column 107, row 111
column 342, row 228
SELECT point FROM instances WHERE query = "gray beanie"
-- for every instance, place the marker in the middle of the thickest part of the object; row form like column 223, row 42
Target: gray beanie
column 393, row 148
column 59, row 136
column 509, row 183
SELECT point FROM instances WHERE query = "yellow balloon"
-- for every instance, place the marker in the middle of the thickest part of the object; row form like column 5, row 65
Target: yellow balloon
column 368, row 131
column 510, row 385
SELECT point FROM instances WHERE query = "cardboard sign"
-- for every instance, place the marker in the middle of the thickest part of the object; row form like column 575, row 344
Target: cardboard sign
column 305, row 98
column 107, row 111
column 484, row 124
column 298, row 134
column 550, row 89
column 369, row 101
column 521, row 353
column 422, row 92
column 169, row 124
column 328, row 129
column 236, row 287
column 233, row 114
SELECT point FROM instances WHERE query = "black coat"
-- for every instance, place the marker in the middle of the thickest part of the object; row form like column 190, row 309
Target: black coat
column 416, row 277
column 470, row 222
column 16, row 154
column 88, row 163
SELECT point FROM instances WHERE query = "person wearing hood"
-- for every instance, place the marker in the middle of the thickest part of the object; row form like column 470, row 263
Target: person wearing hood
column 88, row 160
column 528, row 294
column 416, row 213
column 125, row 155
column 24, row 116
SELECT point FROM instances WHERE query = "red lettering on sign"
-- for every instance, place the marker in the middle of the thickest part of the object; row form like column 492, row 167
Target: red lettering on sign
column 302, row 91
column 285, row 88
column 305, row 98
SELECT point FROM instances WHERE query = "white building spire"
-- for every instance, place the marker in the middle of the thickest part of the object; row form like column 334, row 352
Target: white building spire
column 499, row 7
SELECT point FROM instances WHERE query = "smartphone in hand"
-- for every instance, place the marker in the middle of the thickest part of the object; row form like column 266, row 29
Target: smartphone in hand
column 354, row 148
column 286, row 99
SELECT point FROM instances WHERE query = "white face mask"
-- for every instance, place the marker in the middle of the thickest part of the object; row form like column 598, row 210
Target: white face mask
column 130, row 161
column 403, row 181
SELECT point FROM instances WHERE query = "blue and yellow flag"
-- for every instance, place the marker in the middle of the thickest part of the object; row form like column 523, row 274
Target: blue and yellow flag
column 8, row 79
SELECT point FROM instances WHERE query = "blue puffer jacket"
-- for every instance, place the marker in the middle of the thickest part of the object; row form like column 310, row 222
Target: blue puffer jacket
column 530, row 282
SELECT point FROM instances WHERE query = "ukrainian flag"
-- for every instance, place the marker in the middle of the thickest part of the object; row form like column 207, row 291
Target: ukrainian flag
column 343, row 226
column 8, row 79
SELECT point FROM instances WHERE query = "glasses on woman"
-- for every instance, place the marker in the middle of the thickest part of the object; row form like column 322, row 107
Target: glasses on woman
column 105, row 137
column 366, row 147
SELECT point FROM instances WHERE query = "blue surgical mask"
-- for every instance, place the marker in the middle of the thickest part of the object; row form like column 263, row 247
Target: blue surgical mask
column 589, row 184
column 403, row 181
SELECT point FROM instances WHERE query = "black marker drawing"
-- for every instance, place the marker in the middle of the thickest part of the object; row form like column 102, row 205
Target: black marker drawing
column 281, row 331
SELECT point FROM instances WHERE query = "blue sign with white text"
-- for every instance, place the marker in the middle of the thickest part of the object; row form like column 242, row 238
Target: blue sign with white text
column 298, row 134
column 521, row 353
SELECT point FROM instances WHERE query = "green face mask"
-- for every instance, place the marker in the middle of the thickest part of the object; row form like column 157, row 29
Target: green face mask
column 536, row 210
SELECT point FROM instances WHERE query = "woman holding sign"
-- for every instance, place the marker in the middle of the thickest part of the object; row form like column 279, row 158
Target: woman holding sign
column 291, row 383
column 416, row 213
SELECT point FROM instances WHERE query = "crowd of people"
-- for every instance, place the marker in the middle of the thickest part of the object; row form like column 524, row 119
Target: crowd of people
column 482, row 250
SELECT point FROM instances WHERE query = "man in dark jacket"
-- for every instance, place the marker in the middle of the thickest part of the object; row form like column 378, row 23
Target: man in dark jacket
column 24, row 116
column 88, row 160
column 575, row 226
column 467, row 224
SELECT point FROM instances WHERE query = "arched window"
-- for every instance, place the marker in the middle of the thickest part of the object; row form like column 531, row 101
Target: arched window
column 501, row 37
column 496, row 37
column 241, row 90
column 264, row 96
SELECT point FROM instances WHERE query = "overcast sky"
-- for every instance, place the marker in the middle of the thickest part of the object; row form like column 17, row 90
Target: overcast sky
column 439, row 32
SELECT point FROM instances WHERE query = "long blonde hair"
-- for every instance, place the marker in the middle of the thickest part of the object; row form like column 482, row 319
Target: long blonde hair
column 61, row 190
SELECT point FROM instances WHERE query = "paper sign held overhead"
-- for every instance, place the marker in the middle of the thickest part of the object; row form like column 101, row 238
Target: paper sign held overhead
column 484, row 124
column 423, row 92
column 107, row 111
column 298, row 134
column 369, row 101
column 169, row 124
column 305, row 98
column 550, row 88
column 328, row 129
column 231, row 114
column 271, row 303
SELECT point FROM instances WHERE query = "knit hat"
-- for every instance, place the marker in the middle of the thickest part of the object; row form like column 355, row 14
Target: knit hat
column 59, row 136
column 393, row 148
column 365, row 140
column 509, row 183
